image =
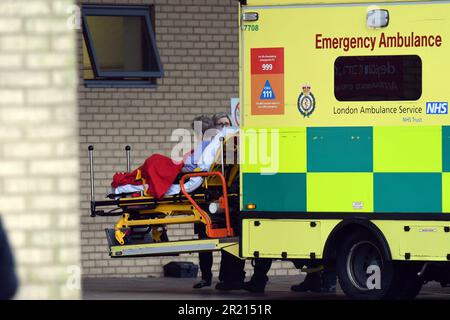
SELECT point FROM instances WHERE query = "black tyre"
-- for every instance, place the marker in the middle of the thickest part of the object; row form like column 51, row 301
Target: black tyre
column 359, row 258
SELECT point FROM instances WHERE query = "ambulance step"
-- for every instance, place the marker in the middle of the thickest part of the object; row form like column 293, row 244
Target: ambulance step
column 152, row 249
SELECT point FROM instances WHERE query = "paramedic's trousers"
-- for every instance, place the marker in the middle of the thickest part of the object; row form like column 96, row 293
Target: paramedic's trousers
column 205, row 258
column 261, row 268
column 8, row 280
column 231, row 267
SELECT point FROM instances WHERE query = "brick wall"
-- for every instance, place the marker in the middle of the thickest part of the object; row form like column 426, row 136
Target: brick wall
column 39, row 166
column 198, row 44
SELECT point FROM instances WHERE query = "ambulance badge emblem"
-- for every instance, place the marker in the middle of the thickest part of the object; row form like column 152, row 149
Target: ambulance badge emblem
column 306, row 102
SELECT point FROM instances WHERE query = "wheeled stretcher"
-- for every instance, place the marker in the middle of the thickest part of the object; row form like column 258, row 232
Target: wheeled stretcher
column 141, row 226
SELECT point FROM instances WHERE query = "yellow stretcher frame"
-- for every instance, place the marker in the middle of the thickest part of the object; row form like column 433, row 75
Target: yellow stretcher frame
column 177, row 209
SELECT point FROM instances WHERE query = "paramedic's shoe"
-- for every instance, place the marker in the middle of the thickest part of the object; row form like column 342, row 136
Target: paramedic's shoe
column 201, row 284
column 324, row 289
column 254, row 287
column 302, row 287
column 227, row 286
column 311, row 282
column 328, row 282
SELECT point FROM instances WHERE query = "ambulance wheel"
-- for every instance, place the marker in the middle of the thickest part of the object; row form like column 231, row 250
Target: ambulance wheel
column 364, row 270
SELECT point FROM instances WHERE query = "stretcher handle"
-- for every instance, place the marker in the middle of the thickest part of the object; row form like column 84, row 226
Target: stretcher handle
column 222, row 139
column 128, row 153
column 91, row 172
column 225, row 199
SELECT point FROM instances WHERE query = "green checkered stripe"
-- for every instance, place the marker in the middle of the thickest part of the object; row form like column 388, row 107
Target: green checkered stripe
column 357, row 169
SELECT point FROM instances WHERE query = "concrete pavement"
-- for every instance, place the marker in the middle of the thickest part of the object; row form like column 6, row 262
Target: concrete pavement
column 162, row 288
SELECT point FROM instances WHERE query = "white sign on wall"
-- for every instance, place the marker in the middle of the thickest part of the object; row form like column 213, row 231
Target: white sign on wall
column 235, row 111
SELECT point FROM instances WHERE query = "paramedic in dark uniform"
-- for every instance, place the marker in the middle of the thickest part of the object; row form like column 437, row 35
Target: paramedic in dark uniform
column 205, row 258
column 232, row 273
column 8, row 279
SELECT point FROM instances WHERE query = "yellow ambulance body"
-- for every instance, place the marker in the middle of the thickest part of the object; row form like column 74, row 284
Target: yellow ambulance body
column 345, row 143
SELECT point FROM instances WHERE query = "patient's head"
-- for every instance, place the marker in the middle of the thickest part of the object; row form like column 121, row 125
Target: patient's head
column 201, row 124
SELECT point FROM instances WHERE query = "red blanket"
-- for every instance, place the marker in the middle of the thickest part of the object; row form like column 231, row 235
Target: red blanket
column 158, row 172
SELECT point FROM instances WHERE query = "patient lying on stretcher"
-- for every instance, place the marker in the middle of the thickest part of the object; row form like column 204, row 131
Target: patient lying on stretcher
column 156, row 176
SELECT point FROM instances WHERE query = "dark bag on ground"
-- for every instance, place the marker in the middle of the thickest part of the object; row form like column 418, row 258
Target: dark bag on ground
column 181, row 270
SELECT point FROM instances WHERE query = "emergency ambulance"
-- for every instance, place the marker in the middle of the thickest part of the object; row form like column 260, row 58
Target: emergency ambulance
column 345, row 142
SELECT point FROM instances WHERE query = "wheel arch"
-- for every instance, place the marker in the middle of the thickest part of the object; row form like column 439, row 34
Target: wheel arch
column 344, row 228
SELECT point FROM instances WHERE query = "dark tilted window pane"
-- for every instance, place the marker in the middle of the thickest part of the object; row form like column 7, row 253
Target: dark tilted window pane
column 378, row 78
column 121, row 43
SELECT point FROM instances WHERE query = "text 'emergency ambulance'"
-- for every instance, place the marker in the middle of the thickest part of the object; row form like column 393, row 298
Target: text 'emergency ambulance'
column 385, row 41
